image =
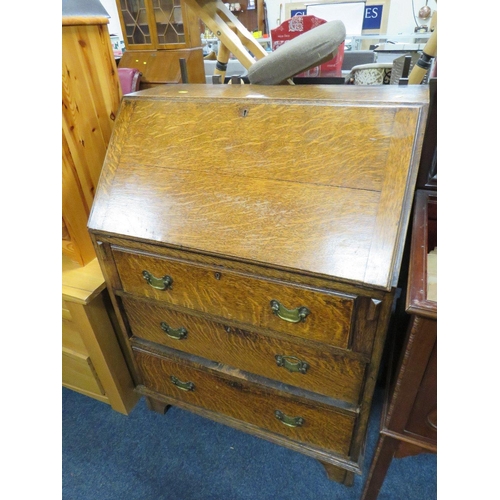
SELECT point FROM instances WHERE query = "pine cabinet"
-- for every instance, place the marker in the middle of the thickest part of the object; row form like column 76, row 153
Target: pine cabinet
column 91, row 96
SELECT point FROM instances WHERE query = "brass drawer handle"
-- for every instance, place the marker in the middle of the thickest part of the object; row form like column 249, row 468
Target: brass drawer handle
column 174, row 333
column 157, row 283
column 289, row 421
column 292, row 315
column 291, row 363
column 184, row 386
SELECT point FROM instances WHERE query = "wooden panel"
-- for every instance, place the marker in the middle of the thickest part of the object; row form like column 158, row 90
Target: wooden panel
column 327, row 193
column 87, row 330
column 394, row 209
column 90, row 99
column 163, row 66
column 423, row 240
column 76, row 243
column 71, row 338
column 238, row 399
column 100, row 340
column 78, row 372
column 337, row 95
column 65, row 311
column 265, row 141
column 83, row 19
column 423, row 418
column 243, row 298
column 332, row 375
column 81, row 284
column 333, row 227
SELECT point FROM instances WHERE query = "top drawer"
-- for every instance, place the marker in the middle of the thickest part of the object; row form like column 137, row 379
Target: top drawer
column 283, row 307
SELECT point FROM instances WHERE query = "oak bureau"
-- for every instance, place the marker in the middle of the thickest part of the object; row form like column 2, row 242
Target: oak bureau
column 251, row 239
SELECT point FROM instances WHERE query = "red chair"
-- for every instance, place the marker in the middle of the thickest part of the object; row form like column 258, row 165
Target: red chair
column 130, row 79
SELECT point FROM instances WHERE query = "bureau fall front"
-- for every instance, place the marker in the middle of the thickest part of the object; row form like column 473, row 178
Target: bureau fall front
column 251, row 239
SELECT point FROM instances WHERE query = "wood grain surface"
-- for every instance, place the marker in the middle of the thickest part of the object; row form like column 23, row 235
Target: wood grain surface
column 160, row 67
column 91, row 95
column 297, row 226
column 316, row 179
column 244, row 194
column 424, row 240
column 247, row 402
column 90, row 100
column 244, row 298
column 298, row 143
column 336, row 376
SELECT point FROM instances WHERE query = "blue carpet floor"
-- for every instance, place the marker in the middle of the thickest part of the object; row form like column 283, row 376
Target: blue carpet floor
column 181, row 456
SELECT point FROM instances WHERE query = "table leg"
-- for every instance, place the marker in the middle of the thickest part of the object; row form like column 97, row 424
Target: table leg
column 384, row 453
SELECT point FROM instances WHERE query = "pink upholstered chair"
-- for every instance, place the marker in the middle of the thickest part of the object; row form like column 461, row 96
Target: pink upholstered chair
column 130, row 79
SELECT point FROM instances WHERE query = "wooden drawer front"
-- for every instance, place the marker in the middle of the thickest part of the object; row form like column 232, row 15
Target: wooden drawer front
column 78, row 373
column 335, row 376
column 240, row 297
column 65, row 311
column 423, row 417
column 71, row 338
column 247, row 402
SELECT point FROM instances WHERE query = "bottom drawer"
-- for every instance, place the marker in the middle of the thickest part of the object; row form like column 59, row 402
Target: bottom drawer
column 300, row 421
column 78, row 373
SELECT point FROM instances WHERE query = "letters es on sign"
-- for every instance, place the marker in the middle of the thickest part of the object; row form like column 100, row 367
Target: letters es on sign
column 373, row 17
column 371, row 20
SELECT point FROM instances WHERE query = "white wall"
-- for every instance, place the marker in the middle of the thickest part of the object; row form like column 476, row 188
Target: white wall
column 400, row 20
column 114, row 27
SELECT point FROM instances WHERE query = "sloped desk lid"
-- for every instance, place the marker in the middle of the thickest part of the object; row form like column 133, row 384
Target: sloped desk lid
column 318, row 179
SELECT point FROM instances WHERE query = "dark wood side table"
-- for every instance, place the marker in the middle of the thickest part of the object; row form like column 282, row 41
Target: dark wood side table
column 409, row 418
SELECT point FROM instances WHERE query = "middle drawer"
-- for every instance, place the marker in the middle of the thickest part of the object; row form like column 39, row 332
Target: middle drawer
column 316, row 370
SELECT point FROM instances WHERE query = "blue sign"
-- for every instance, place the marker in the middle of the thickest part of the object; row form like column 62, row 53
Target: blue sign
column 371, row 20
column 373, row 17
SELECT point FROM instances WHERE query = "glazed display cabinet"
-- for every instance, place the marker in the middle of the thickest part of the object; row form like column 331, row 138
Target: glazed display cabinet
column 157, row 34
